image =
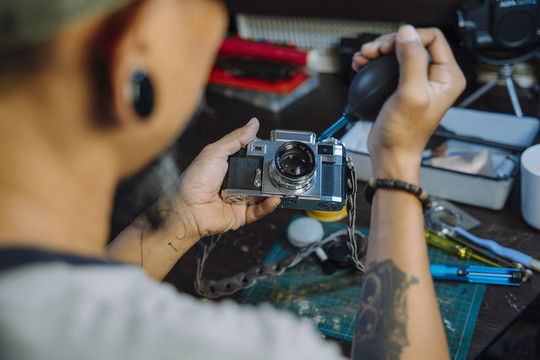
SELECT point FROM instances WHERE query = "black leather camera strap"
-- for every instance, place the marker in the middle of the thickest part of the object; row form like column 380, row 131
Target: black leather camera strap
column 355, row 240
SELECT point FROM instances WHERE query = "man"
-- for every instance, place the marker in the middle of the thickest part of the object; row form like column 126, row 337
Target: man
column 89, row 95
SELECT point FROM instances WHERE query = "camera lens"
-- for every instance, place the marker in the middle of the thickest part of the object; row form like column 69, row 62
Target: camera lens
column 295, row 160
column 294, row 166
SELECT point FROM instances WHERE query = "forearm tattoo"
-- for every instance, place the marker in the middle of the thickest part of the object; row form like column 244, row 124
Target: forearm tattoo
column 169, row 237
column 381, row 322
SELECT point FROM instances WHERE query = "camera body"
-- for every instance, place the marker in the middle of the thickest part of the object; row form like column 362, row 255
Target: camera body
column 499, row 24
column 306, row 174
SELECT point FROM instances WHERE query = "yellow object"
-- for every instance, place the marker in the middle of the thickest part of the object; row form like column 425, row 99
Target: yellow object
column 328, row 216
column 455, row 248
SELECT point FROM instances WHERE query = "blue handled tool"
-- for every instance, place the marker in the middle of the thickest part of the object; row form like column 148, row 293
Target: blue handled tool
column 341, row 122
column 507, row 253
column 445, row 221
column 477, row 274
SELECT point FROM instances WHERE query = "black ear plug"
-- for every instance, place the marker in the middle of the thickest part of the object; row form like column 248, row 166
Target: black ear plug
column 142, row 93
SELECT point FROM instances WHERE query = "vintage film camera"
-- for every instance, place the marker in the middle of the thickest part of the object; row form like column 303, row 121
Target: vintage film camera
column 499, row 24
column 306, row 174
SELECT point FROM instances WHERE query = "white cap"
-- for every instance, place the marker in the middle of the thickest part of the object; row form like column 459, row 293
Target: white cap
column 304, row 231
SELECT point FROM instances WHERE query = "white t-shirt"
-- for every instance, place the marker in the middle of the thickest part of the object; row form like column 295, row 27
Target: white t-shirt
column 56, row 310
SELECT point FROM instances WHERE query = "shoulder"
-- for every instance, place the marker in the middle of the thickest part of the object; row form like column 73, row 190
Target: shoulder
column 118, row 312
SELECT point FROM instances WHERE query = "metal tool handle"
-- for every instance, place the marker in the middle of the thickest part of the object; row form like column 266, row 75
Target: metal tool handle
column 498, row 249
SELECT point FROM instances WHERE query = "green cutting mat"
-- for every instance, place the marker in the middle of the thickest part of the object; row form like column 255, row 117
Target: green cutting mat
column 331, row 301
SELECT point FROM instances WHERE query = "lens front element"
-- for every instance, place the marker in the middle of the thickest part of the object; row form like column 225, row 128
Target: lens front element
column 293, row 166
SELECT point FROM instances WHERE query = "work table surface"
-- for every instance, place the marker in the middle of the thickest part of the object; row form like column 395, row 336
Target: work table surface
column 249, row 246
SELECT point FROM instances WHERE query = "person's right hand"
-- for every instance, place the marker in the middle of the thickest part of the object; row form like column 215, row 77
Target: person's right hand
column 425, row 92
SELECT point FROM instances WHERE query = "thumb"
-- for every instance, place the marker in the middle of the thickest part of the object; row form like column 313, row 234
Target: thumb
column 413, row 60
column 249, row 131
column 239, row 138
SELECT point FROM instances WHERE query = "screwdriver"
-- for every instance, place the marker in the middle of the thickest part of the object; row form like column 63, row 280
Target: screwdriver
column 508, row 253
column 457, row 249
column 502, row 262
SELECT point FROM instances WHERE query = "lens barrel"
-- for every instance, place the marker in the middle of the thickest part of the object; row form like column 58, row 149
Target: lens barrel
column 293, row 166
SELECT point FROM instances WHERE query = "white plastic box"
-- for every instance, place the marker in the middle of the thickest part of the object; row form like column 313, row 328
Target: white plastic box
column 488, row 188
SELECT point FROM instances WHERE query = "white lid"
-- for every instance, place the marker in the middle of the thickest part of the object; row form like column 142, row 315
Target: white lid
column 304, row 231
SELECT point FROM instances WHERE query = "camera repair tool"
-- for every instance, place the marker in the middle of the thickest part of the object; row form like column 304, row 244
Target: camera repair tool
column 369, row 89
column 443, row 213
column 507, row 253
column 476, row 274
column 445, row 222
column 455, row 248
column 373, row 85
column 305, row 231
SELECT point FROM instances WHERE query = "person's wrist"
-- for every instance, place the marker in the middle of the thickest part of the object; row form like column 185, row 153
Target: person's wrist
column 410, row 176
column 189, row 220
column 404, row 168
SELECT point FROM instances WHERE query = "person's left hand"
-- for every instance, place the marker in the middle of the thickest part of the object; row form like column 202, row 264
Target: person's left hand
column 199, row 195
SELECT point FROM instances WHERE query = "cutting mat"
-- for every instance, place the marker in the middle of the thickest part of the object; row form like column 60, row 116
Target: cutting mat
column 331, row 301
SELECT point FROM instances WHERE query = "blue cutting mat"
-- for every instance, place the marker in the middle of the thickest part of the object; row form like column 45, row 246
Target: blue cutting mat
column 331, row 301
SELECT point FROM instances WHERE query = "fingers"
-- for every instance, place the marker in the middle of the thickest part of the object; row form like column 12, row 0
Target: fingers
column 232, row 142
column 434, row 40
column 254, row 213
column 431, row 38
column 443, row 68
column 413, row 61
column 382, row 45
column 359, row 60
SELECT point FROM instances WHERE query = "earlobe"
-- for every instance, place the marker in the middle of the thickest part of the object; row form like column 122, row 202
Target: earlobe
column 132, row 87
column 138, row 91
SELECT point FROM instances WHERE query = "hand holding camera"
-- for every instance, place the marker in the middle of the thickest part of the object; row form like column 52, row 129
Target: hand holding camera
column 199, row 194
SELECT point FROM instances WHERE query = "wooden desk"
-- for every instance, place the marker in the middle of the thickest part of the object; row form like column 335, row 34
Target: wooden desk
column 248, row 246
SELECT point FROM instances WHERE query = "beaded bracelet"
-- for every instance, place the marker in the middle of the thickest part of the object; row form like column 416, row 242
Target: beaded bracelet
column 374, row 183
